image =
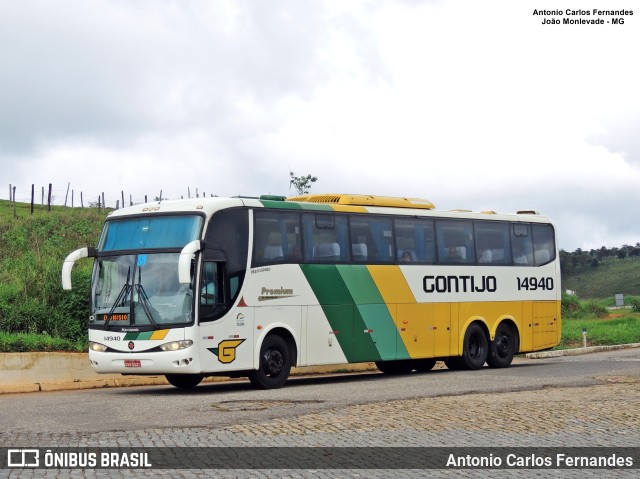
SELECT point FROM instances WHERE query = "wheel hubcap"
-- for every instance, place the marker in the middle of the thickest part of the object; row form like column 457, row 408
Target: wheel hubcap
column 273, row 362
column 503, row 346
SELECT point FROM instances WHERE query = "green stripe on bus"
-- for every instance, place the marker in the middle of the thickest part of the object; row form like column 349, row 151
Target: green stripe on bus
column 354, row 307
column 339, row 307
column 289, row 205
column 138, row 336
column 370, row 306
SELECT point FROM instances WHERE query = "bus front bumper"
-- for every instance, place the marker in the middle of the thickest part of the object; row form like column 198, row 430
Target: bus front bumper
column 157, row 362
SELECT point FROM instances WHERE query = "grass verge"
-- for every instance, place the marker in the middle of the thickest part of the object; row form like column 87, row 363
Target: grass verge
column 23, row 342
column 621, row 328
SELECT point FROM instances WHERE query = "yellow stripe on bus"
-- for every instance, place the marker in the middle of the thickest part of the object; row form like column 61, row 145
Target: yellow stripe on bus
column 160, row 334
column 392, row 284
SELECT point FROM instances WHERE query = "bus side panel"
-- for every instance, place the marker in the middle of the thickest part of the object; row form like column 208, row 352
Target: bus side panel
column 526, row 337
column 425, row 329
column 227, row 344
column 321, row 345
column 546, row 324
column 371, row 310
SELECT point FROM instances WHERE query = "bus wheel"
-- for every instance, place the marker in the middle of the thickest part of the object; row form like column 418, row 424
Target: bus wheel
column 402, row 366
column 275, row 364
column 503, row 347
column 423, row 365
column 475, row 348
column 184, row 381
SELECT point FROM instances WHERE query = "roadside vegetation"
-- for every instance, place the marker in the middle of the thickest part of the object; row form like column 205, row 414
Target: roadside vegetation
column 35, row 313
column 604, row 326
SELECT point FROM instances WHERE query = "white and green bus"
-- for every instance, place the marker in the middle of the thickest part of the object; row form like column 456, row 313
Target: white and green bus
column 255, row 286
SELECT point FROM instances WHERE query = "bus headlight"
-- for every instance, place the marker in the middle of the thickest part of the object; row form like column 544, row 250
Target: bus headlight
column 176, row 345
column 101, row 348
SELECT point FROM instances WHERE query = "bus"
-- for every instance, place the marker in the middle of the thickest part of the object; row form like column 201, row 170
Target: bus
column 255, row 286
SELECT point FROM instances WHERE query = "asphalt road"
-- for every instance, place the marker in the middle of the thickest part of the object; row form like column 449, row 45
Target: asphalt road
column 216, row 405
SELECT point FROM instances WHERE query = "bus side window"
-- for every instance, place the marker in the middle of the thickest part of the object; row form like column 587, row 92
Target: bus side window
column 543, row 244
column 415, row 240
column 371, row 239
column 455, row 241
column 277, row 237
column 521, row 245
column 326, row 238
column 492, row 242
column 209, row 286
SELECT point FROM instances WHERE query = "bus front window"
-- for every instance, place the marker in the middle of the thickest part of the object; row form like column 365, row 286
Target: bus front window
column 140, row 289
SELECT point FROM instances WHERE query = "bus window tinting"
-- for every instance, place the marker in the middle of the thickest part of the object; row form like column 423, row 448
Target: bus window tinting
column 415, row 240
column 277, row 237
column 543, row 244
column 522, row 245
column 492, row 242
column 371, row 239
column 295, row 237
column 455, row 241
column 325, row 238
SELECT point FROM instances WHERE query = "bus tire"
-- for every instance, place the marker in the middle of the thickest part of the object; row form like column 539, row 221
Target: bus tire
column 275, row 364
column 475, row 347
column 502, row 348
column 423, row 365
column 184, row 381
column 401, row 366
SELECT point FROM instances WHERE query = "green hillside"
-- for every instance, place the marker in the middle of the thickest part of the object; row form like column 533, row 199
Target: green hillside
column 32, row 250
column 605, row 280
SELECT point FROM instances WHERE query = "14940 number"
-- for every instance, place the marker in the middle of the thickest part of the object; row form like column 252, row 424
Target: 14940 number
column 533, row 284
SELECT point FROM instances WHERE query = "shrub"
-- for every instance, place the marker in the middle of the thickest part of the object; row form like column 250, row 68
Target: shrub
column 570, row 306
column 597, row 309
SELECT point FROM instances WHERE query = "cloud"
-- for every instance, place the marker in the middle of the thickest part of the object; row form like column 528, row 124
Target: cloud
column 470, row 104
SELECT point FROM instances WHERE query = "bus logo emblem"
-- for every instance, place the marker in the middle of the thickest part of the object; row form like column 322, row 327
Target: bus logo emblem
column 226, row 350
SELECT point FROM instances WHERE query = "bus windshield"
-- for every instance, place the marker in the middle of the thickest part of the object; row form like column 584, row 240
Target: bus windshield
column 140, row 289
column 150, row 232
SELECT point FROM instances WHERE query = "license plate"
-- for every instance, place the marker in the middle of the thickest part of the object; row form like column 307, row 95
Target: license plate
column 132, row 363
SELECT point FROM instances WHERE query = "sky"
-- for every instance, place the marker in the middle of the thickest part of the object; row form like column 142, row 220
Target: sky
column 469, row 104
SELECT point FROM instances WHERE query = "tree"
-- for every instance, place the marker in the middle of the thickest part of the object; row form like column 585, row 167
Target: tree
column 302, row 184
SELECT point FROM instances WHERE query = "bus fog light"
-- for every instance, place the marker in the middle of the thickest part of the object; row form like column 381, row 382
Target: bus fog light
column 101, row 348
column 176, row 345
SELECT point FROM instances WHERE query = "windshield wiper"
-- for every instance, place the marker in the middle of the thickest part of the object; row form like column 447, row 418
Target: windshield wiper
column 124, row 293
column 144, row 299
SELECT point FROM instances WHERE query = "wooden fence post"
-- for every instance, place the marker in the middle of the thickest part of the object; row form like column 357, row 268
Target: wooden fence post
column 32, row 196
column 49, row 198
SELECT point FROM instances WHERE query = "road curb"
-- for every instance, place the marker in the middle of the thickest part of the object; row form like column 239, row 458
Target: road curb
column 126, row 381
column 575, row 352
